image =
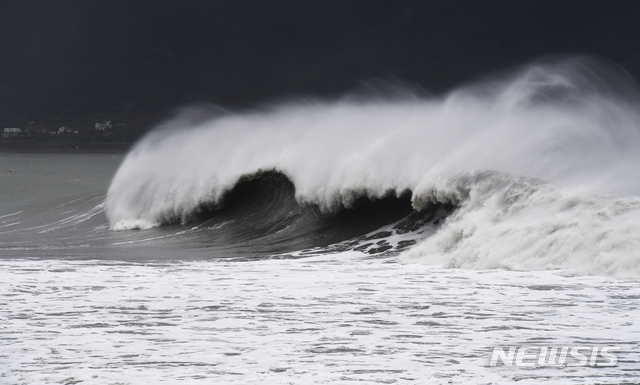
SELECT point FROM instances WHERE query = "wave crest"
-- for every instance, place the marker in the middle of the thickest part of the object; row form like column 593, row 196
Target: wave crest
column 573, row 123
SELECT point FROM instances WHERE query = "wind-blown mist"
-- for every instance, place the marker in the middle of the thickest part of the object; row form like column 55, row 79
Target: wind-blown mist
column 543, row 166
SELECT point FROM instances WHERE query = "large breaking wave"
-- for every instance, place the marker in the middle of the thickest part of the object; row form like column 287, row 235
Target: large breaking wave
column 542, row 166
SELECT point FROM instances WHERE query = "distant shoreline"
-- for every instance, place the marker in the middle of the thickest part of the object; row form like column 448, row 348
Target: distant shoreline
column 62, row 150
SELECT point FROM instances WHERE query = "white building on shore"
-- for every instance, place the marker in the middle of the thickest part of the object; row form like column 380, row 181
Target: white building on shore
column 11, row 131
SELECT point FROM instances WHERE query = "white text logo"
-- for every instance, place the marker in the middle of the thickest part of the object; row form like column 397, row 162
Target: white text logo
column 532, row 356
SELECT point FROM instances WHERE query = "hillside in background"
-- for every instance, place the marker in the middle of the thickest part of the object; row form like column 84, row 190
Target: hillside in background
column 79, row 61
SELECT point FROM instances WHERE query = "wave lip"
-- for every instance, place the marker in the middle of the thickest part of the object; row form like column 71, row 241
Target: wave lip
column 553, row 133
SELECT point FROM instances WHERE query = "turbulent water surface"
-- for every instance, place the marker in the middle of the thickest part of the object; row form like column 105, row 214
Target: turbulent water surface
column 384, row 239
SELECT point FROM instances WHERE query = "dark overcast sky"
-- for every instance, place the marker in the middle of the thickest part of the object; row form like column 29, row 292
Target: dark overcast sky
column 66, row 57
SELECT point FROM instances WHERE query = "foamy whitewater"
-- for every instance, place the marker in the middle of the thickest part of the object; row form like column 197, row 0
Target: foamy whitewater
column 386, row 237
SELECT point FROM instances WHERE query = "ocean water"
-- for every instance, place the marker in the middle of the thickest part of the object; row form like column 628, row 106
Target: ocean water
column 380, row 238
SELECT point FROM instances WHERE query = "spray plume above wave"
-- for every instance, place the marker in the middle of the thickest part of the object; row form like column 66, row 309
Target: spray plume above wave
column 542, row 165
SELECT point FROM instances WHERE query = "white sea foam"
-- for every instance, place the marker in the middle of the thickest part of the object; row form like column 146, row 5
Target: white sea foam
column 331, row 319
column 504, row 222
column 573, row 123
